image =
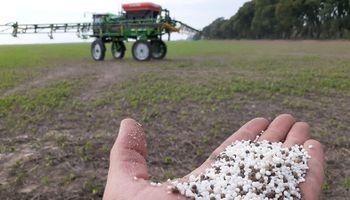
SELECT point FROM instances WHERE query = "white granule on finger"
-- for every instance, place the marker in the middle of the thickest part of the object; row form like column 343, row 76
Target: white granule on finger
column 250, row 170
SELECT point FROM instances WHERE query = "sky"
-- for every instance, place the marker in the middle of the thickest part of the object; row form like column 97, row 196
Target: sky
column 196, row 13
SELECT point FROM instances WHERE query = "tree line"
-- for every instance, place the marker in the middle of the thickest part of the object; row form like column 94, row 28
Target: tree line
column 284, row 19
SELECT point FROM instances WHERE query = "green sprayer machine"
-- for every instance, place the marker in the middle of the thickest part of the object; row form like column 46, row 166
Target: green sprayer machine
column 145, row 23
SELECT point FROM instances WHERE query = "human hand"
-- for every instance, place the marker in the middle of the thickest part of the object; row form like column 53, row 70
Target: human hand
column 129, row 153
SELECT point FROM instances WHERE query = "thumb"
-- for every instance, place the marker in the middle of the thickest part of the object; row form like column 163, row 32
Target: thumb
column 129, row 152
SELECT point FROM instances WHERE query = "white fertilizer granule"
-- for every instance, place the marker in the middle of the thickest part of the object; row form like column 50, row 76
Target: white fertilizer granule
column 250, row 170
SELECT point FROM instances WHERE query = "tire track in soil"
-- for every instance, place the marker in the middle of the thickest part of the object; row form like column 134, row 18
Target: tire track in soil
column 50, row 76
column 106, row 75
column 109, row 73
column 23, row 153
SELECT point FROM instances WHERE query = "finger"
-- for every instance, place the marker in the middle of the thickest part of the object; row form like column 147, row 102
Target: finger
column 129, row 152
column 249, row 131
column 311, row 188
column 128, row 174
column 278, row 129
column 298, row 134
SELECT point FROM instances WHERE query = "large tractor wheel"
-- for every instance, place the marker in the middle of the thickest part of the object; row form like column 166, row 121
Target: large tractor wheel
column 141, row 50
column 159, row 49
column 118, row 50
column 98, row 50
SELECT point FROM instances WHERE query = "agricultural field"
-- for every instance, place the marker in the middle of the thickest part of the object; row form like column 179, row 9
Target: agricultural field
column 60, row 110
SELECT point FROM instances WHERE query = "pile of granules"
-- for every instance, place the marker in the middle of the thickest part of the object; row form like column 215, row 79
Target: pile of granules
column 250, row 170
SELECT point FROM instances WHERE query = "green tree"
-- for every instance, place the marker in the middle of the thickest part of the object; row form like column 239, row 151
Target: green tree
column 285, row 19
column 213, row 30
column 335, row 15
column 241, row 23
column 264, row 23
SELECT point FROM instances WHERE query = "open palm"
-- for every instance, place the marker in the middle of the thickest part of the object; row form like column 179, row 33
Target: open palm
column 128, row 176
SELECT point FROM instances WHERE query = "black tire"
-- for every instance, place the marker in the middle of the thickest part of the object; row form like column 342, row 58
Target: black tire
column 158, row 49
column 141, row 50
column 118, row 50
column 98, row 50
